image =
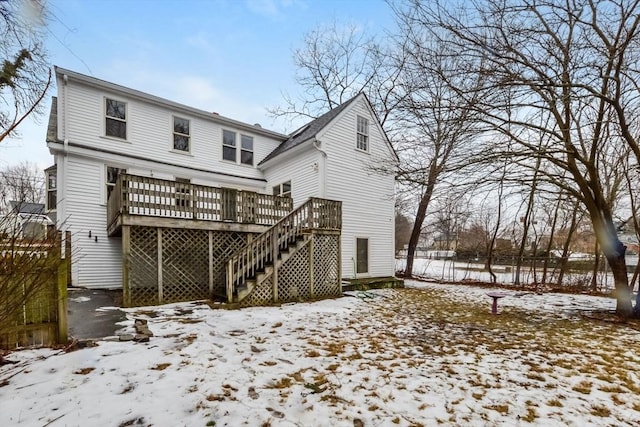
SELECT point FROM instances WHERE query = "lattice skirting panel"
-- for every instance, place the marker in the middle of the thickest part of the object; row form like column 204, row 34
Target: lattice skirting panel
column 312, row 272
column 142, row 288
column 184, row 256
column 326, row 266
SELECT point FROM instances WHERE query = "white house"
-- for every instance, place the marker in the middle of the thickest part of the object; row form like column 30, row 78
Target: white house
column 170, row 162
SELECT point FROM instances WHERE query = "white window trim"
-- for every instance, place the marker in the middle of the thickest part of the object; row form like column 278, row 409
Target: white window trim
column 368, row 134
column 253, row 151
column 238, row 148
column 280, row 186
column 173, row 132
column 355, row 256
column 235, row 139
column 105, row 172
column 50, row 190
column 104, row 119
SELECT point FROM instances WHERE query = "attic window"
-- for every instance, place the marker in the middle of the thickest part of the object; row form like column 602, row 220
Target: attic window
column 362, row 131
column 115, row 118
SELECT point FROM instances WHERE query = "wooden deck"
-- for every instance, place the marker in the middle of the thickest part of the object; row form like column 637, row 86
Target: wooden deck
column 143, row 201
column 183, row 242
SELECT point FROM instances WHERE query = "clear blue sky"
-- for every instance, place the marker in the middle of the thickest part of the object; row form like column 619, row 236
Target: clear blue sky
column 229, row 56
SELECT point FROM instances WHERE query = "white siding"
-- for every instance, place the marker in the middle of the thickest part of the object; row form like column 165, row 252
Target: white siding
column 367, row 198
column 302, row 173
column 94, row 264
column 149, row 132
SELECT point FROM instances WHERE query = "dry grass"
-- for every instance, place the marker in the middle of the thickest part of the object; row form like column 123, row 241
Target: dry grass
column 412, row 327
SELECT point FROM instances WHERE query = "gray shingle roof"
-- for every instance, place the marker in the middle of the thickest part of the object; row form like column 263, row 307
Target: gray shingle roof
column 308, row 131
column 26, row 207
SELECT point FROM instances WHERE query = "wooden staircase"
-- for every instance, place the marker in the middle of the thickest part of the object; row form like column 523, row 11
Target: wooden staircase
column 265, row 255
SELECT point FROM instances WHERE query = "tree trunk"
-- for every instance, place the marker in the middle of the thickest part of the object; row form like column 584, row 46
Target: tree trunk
column 614, row 252
column 564, row 260
column 420, row 216
column 554, row 223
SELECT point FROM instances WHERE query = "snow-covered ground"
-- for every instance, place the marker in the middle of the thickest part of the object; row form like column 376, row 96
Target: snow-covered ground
column 428, row 355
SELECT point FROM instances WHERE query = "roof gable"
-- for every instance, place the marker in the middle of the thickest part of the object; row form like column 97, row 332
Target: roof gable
column 308, row 131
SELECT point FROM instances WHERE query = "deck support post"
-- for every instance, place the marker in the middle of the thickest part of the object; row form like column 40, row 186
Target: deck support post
column 126, row 254
column 211, row 282
column 339, row 262
column 311, row 266
column 274, row 257
column 160, row 290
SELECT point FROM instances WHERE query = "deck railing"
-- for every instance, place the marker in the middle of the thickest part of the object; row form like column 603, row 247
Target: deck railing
column 138, row 195
column 315, row 214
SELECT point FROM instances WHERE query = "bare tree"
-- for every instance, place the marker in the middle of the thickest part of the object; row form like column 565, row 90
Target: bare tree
column 335, row 63
column 23, row 182
column 438, row 126
column 566, row 63
column 25, row 76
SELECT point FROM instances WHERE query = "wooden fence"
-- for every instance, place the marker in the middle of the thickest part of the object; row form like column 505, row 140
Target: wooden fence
column 33, row 294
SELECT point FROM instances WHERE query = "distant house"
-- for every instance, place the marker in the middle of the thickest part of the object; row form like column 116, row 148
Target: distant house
column 172, row 202
column 25, row 221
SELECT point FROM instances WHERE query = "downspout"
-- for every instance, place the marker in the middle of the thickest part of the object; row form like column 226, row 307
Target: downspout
column 323, row 169
column 61, row 184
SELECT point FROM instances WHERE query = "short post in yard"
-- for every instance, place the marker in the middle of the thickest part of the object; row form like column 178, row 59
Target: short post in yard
column 496, row 296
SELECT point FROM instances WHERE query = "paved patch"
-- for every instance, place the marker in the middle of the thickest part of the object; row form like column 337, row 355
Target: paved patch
column 93, row 313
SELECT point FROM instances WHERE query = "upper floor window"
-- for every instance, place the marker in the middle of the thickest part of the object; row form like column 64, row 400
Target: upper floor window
column 228, row 145
column 115, row 118
column 232, row 151
column 362, row 142
column 181, row 134
column 283, row 189
column 246, row 150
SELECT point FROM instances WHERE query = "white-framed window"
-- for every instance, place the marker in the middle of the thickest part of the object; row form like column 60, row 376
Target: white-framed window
column 362, row 255
column 111, row 178
column 229, row 145
column 283, row 190
column 115, row 122
column 181, row 134
column 362, row 132
column 52, row 189
column 234, row 152
column 246, row 150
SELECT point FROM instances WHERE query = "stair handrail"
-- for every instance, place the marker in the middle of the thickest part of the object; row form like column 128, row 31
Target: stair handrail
column 315, row 213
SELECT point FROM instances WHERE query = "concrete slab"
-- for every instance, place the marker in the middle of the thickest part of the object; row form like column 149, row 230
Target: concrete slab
column 93, row 313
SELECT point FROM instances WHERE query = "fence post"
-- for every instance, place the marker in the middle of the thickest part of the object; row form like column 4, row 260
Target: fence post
column 63, row 332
